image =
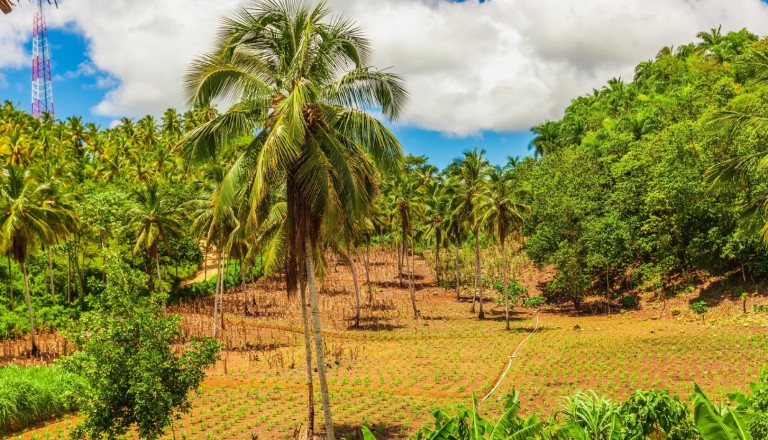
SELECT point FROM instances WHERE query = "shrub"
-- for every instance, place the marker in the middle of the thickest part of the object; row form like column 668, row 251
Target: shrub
column 629, row 302
column 34, row 394
column 699, row 307
column 533, row 301
column 656, row 414
column 126, row 355
column 515, row 289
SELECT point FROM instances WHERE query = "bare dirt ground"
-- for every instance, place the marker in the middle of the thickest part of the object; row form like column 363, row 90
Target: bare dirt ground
column 390, row 373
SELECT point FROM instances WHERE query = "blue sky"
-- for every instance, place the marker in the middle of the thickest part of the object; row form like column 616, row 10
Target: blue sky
column 480, row 73
column 78, row 87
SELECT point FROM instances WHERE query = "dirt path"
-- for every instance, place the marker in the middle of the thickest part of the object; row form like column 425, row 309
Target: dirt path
column 208, row 270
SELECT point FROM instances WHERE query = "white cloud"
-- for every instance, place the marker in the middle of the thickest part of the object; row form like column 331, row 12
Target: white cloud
column 501, row 65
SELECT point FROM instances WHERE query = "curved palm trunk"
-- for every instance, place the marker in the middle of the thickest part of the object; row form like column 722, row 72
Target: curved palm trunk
column 357, row 289
column 314, row 304
column 456, row 266
column 409, row 268
column 308, row 357
column 505, row 281
column 35, row 350
column 50, row 273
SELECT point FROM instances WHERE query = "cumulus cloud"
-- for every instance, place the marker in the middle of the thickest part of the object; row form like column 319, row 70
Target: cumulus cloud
column 501, row 65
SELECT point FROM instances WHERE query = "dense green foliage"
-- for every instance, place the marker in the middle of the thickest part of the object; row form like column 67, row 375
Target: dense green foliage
column 125, row 355
column 618, row 193
column 652, row 414
column 34, row 394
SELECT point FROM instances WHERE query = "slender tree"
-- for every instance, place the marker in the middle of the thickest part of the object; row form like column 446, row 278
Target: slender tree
column 498, row 209
column 302, row 80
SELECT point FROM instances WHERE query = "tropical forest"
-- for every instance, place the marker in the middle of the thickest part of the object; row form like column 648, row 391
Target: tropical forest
column 271, row 261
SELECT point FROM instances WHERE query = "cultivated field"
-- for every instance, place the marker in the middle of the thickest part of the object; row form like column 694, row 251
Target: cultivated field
column 393, row 372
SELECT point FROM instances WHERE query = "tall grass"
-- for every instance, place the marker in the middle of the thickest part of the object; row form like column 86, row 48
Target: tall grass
column 33, row 394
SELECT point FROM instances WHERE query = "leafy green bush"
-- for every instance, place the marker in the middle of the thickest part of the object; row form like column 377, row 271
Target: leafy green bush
column 629, row 302
column 656, row 414
column 533, row 301
column 515, row 289
column 31, row 395
column 126, row 354
column 468, row 424
column 760, row 309
column 588, row 416
column 699, row 307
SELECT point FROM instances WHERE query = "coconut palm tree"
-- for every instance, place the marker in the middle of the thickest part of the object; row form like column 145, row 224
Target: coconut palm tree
column 33, row 214
column 468, row 179
column 436, row 205
column 498, row 209
column 154, row 218
column 300, row 79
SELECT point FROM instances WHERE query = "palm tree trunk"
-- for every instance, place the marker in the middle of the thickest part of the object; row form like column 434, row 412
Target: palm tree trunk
column 10, row 281
column 314, row 303
column 308, row 357
column 437, row 258
column 35, row 350
column 222, row 284
column 50, row 273
column 205, row 264
column 410, row 285
column 357, row 289
column 368, row 270
column 478, row 287
column 505, row 281
column 216, row 294
column 458, row 295
column 159, row 278
column 69, row 276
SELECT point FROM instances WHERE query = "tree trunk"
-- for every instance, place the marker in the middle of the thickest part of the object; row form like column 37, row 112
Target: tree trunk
column 159, row 278
column 222, row 285
column 400, row 265
column 437, row 258
column 69, row 276
column 308, row 357
column 205, row 264
column 504, row 281
column 314, row 303
column 478, row 283
column 458, row 294
column 368, row 270
column 216, row 294
column 35, row 350
column 357, row 289
column 50, row 273
column 410, row 286
column 10, row 282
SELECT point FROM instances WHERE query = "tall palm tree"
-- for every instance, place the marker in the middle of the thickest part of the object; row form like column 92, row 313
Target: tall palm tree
column 32, row 214
column 498, row 209
column 436, row 215
column 405, row 206
column 468, row 180
column 300, row 79
column 154, row 218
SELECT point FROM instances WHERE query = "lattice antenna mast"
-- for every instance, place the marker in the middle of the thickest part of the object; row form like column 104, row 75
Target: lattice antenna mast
column 42, row 87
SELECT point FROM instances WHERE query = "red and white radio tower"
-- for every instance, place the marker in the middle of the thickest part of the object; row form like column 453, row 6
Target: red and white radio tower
column 42, row 88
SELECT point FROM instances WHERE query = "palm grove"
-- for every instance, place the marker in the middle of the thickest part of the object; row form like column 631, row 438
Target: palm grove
column 639, row 185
